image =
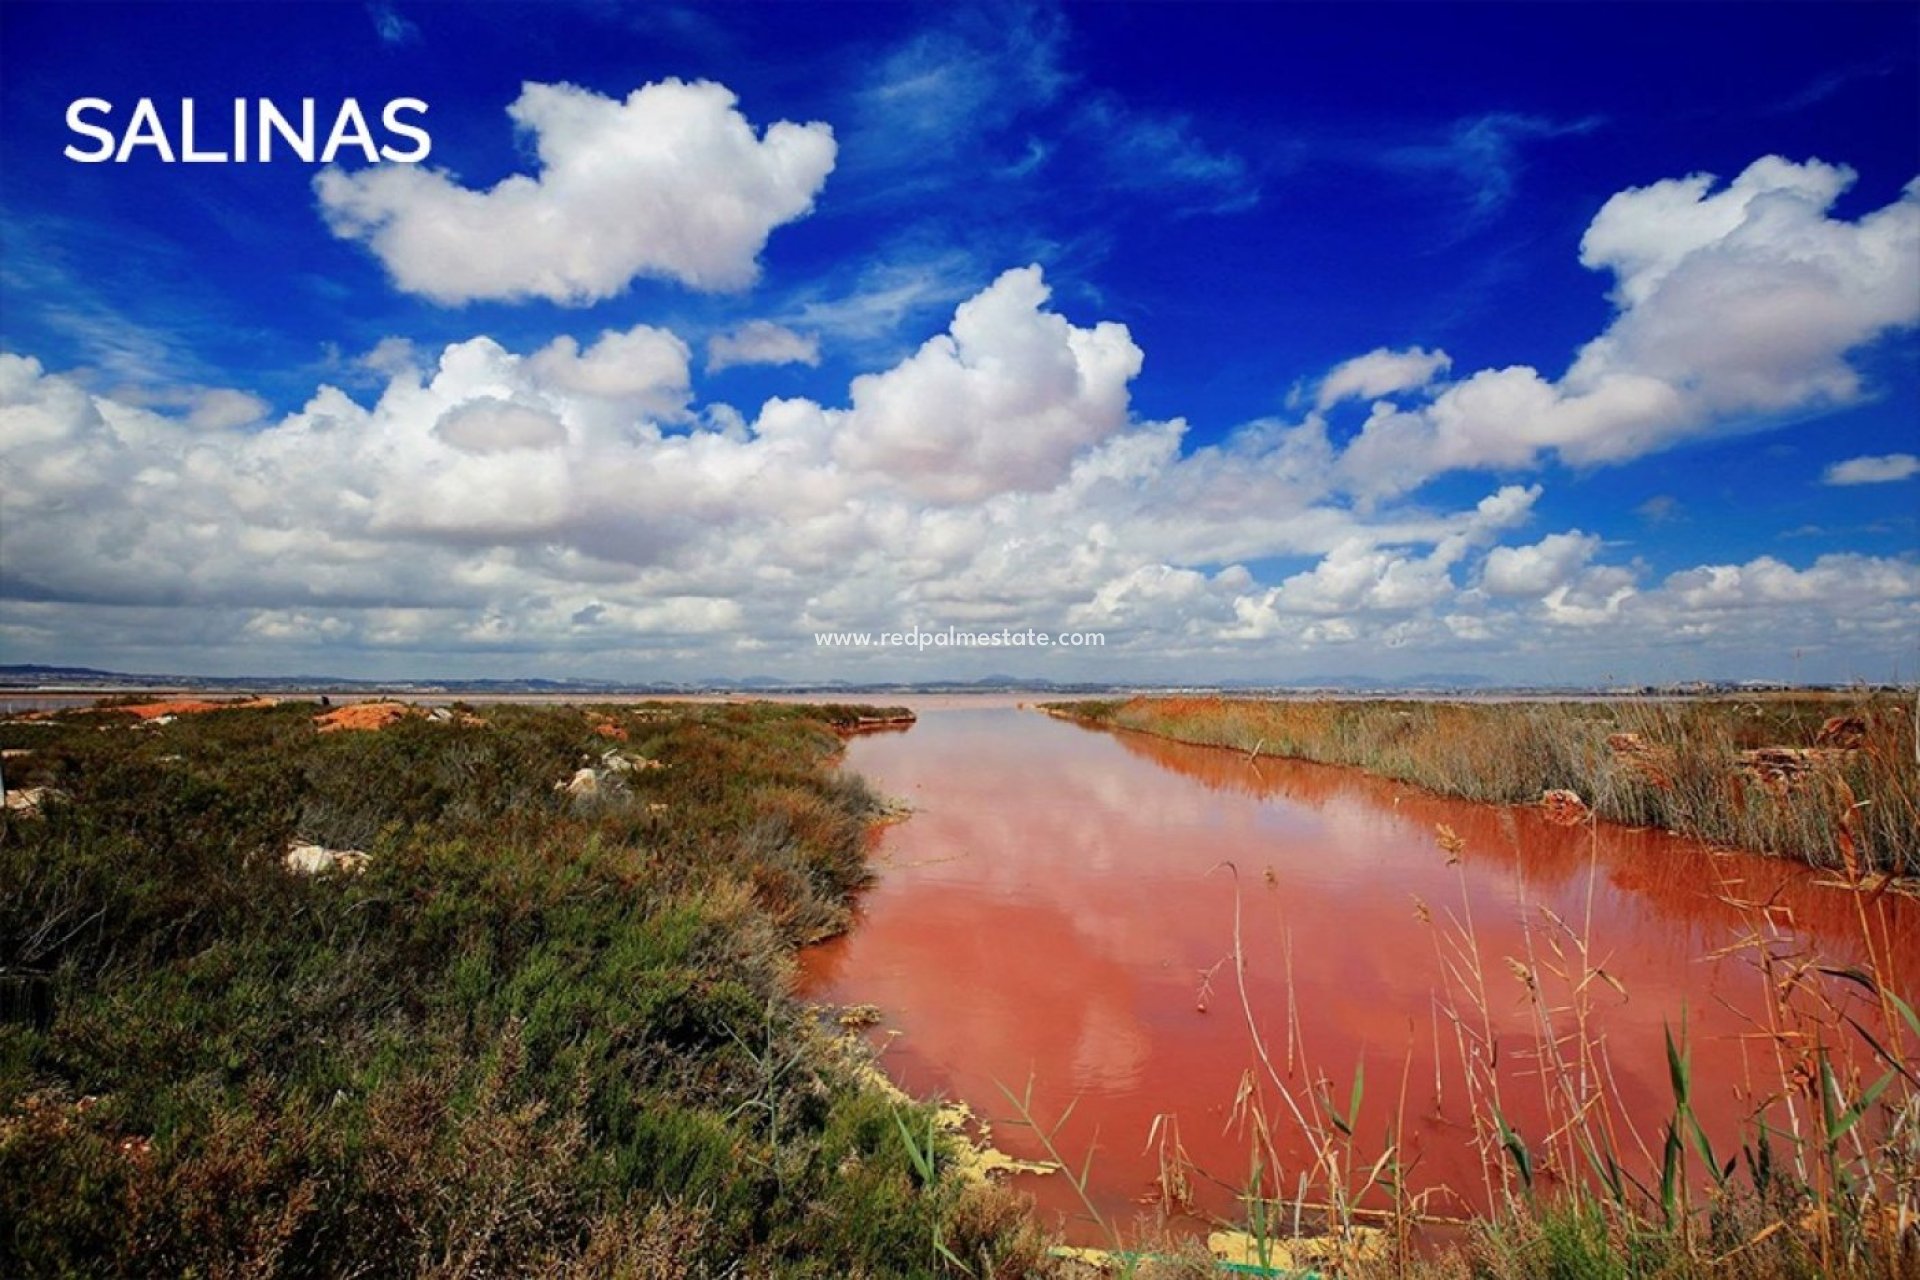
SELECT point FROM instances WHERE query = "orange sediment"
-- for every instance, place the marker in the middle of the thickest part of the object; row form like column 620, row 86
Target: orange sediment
column 363, row 715
column 186, row 707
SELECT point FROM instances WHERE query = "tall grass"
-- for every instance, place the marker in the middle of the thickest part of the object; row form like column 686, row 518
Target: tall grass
column 1820, row 1179
column 1683, row 765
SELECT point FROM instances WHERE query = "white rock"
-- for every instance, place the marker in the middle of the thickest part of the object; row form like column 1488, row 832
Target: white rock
column 312, row 859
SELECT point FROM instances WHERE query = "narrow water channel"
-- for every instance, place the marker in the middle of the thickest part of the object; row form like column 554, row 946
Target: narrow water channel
column 1059, row 909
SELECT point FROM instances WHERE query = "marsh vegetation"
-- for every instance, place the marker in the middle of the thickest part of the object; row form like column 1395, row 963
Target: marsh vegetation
column 1828, row 780
column 532, row 1032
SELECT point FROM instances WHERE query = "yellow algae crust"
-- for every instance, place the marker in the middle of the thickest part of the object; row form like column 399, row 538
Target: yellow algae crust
column 977, row 1159
column 1299, row 1253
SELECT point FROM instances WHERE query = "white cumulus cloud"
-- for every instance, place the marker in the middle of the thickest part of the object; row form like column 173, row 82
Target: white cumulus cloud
column 643, row 370
column 1734, row 308
column 1537, row 569
column 572, row 506
column 1004, row 400
column 671, row 182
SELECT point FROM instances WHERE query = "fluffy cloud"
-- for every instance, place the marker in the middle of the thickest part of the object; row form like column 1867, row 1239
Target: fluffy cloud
column 1855, row 611
column 1374, row 571
column 1381, row 372
column 1734, row 307
column 574, row 503
column 643, row 371
column 1881, row 469
column 1003, row 401
column 1537, row 569
column 564, row 466
column 1357, row 576
column 672, row 182
column 489, row 501
column 1837, row 582
column 761, row 342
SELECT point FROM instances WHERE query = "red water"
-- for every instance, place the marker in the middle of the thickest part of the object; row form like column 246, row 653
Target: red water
column 1052, row 910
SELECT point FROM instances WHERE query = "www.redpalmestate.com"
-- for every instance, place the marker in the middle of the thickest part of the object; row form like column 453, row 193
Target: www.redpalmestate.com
column 250, row 131
column 955, row 638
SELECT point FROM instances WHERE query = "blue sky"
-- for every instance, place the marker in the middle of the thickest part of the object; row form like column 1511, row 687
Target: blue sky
column 1558, row 342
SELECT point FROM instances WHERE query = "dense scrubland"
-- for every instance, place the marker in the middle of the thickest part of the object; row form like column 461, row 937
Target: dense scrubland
column 538, row 1031
column 1831, row 780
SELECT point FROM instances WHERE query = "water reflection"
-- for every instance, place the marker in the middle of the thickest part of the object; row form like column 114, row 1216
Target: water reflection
column 1060, row 908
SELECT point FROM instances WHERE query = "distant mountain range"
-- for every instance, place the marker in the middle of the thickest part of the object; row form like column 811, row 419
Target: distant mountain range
column 34, row 677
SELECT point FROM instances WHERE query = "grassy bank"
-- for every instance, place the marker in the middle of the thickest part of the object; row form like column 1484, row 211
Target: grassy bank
column 1755, row 774
column 537, row 1030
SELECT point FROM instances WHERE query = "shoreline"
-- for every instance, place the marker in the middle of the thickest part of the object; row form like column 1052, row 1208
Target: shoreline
column 1790, row 781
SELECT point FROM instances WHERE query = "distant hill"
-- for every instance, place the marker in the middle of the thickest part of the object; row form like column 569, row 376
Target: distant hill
column 1431, row 680
column 22, row 677
column 31, row 671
